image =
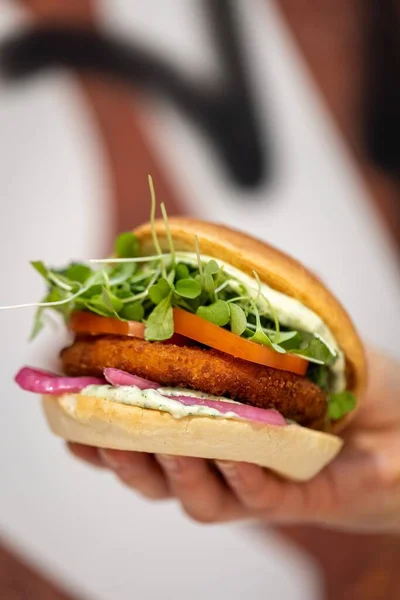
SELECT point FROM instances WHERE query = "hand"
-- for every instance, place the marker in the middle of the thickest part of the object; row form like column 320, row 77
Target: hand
column 359, row 490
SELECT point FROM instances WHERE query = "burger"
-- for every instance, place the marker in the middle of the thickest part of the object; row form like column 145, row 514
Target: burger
column 198, row 340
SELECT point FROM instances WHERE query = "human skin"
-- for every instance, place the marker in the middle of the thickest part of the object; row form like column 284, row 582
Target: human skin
column 359, row 491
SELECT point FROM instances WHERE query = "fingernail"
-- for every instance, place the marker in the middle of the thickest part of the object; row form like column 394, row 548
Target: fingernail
column 170, row 463
column 228, row 469
column 108, row 459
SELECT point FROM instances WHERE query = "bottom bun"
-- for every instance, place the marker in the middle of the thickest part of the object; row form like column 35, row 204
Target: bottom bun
column 292, row 451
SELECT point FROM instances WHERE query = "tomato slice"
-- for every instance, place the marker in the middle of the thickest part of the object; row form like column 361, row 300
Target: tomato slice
column 187, row 325
column 214, row 336
column 87, row 322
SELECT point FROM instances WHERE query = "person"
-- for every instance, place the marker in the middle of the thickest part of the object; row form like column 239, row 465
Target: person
column 359, row 491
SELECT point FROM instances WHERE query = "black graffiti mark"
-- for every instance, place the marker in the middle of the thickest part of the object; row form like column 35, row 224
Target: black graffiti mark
column 223, row 109
column 382, row 91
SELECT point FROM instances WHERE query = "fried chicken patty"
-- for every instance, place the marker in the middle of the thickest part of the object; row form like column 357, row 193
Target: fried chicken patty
column 205, row 370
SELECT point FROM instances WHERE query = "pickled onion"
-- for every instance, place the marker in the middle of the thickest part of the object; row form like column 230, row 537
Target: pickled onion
column 44, row 382
column 117, row 377
column 244, row 411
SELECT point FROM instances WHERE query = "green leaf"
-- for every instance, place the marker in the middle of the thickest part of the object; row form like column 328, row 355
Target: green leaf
column 54, row 296
column 121, row 273
column 260, row 337
column 286, row 336
column 62, row 282
column 126, row 245
column 38, row 324
column 132, row 312
column 100, row 304
column 188, row 288
column 218, row 313
column 111, row 302
column 77, row 272
column 209, row 285
column 238, row 319
column 316, row 351
column 171, row 277
column 64, row 309
column 290, row 340
column 53, row 277
column 91, row 292
column 211, row 268
column 159, row 291
column 187, row 305
column 319, row 374
column 340, row 404
column 272, row 311
column 168, row 231
column 182, row 271
column 98, row 278
column 103, row 303
column 39, row 266
column 160, row 324
column 96, row 305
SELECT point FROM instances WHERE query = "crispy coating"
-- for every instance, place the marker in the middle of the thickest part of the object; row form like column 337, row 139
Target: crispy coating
column 200, row 369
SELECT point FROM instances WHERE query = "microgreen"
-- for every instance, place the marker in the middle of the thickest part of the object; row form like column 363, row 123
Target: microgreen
column 316, row 351
column 171, row 277
column 169, row 236
column 259, row 336
column 271, row 308
column 39, row 266
column 111, row 302
column 133, row 311
column 136, row 259
column 209, row 286
column 218, row 313
column 199, row 263
column 38, row 324
column 147, row 288
column 181, row 271
column 156, row 243
column 159, row 291
column 211, row 268
column 221, row 287
column 340, row 404
column 126, row 245
column 78, row 272
column 188, row 288
column 238, row 319
column 319, row 374
column 121, row 273
column 160, row 324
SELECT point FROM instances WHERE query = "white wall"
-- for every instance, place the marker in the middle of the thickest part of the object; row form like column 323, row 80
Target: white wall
column 79, row 524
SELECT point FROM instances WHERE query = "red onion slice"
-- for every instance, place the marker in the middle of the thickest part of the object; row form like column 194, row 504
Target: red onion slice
column 251, row 413
column 244, row 411
column 117, row 377
column 43, row 382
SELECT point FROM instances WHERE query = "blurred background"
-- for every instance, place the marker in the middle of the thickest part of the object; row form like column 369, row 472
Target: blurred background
column 278, row 117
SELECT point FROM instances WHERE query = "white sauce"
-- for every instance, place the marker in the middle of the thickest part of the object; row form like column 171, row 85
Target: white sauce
column 290, row 313
column 154, row 400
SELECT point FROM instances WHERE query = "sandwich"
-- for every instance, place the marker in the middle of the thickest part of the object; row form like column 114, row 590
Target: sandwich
column 198, row 340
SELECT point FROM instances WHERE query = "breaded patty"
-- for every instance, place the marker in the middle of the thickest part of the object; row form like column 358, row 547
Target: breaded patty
column 200, row 369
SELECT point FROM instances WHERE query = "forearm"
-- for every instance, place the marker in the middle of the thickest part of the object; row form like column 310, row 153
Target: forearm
column 356, row 566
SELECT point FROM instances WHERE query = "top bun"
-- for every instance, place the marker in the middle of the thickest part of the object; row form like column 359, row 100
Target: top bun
column 275, row 268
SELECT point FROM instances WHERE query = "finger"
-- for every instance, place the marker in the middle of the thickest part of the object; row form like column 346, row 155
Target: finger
column 139, row 471
column 266, row 494
column 86, row 453
column 203, row 494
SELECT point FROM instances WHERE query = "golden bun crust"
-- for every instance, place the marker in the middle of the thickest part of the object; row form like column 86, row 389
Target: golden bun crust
column 294, row 452
column 276, row 269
